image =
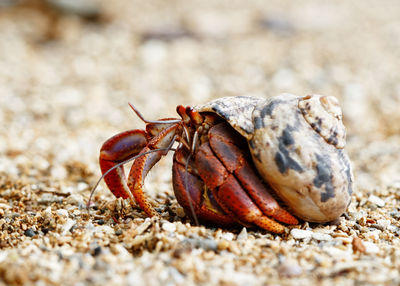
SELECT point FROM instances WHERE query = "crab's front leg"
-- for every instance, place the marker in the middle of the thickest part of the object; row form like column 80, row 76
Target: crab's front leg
column 143, row 164
column 128, row 144
column 115, row 150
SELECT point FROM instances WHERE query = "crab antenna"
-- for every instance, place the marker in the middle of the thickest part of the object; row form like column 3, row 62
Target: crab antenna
column 122, row 163
column 152, row 121
column 194, row 142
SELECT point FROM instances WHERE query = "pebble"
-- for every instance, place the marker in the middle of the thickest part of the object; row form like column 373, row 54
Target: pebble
column 301, row 233
column 385, row 223
column 290, row 269
column 376, row 200
column 223, row 244
column 370, row 247
column 169, row 227
column 75, row 199
column 242, row 235
column 83, row 8
column 67, row 226
column 62, row 212
column 97, row 251
column 4, row 206
column 358, row 245
column 29, row 232
column 50, row 198
column 227, row 236
column 321, row 236
column 204, row 243
column 47, row 213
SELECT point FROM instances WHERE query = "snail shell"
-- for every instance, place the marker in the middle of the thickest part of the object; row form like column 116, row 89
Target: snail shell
column 297, row 147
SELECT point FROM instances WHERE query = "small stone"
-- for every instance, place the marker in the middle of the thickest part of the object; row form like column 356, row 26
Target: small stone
column 29, row 232
column 5, row 206
column 81, row 186
column 371, row 248
column 358, row 245
column 385, row 223
column 50, row 198
column 180, row 212
column 204, row 243
column 101, row 221
column 223, row 244
column 47, row 212
column 227, row 236
column 301, row 233
column 376, row 200
column 86, row 9
column 290, row 269
column 242, row 235
column 321, row 236
column 75, row 199
column 169, row 227
column 67, row 226
column 395, row 214
column 97, row 251
column 62, row 212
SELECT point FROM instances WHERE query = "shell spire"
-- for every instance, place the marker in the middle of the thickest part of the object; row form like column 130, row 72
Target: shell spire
column 324, row 115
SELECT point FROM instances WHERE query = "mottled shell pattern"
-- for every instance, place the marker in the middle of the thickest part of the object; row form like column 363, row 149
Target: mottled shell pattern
column 297, row 147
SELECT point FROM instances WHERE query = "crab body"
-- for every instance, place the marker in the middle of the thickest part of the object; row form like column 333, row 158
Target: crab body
column 235, row 154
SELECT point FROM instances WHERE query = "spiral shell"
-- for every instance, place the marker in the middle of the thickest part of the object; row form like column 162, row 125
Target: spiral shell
column 297, row 147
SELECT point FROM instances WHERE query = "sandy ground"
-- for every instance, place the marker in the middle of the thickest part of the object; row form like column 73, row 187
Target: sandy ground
column 66, row 78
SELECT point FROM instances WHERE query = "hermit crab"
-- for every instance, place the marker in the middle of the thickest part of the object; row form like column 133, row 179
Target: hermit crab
column 236, row 157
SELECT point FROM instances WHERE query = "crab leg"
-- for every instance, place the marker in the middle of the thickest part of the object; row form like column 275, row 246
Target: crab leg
column 222, row 143
column 117, row 149
column 190, row 190
column 234, row 184
column 143, row 164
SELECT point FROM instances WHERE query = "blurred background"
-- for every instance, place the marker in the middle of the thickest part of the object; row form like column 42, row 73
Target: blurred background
column 68, row 68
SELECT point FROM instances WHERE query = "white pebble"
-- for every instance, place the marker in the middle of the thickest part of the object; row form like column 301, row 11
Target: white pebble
column 4, row 206
column 321, row 236
column 62, row 212
column 383, row 222
column 290, row 269
column 75, row 199
column 373, row 234
column 67, row 226
column 47, row 212
column 376, row 200
column 58, row 172
column 370, row 247
column 301, row 233
column 227, row 236
column 242, row 235
column 81, row 186
column 169, row 227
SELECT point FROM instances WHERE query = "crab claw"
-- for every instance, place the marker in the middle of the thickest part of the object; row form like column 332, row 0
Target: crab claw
column 117, row 149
